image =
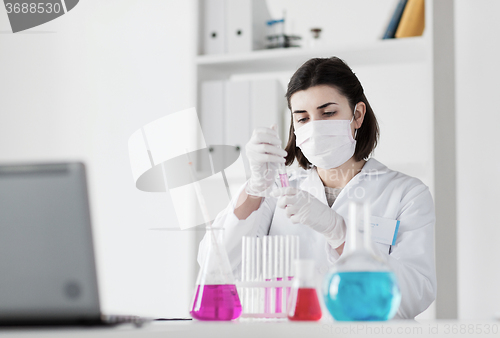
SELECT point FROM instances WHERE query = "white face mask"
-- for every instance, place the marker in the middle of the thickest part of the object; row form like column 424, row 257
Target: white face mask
column 326, row 143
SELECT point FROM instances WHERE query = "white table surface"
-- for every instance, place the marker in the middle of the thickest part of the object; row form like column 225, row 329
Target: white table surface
column 274, row 329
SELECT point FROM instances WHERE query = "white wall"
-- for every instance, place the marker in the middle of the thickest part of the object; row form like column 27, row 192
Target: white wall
column 478, row 165
column 77, row 88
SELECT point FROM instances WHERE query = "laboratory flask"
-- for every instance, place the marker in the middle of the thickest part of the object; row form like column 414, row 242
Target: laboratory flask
column 303, row 303
column 361, row 286
column 215, row 296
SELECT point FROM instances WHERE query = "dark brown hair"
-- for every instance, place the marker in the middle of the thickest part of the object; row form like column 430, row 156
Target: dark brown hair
column 336, row 73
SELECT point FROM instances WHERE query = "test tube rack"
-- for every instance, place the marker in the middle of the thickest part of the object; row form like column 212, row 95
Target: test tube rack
column 266, row 275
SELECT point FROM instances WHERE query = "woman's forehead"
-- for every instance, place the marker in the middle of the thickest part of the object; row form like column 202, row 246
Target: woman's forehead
column 316, row 95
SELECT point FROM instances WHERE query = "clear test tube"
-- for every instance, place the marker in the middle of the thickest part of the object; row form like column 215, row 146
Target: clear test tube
column 294, row 255
column 252, row 274
column 258, row 275
column 275, row 270
column 282, row 272
column 267, row 271
column 288, row 263
column 279, row 259
column 293, row 243
column 281, row 167
column 283, row 175
column 242, row 292
column 243, row 259
column 248, row 258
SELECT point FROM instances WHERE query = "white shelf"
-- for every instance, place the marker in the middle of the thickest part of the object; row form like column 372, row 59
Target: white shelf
column 407, row 50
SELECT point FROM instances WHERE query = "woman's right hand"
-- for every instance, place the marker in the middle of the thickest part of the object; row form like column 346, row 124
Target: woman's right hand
column 264, row 154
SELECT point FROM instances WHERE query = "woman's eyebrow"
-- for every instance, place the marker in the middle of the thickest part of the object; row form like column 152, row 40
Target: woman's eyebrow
column 320, row 107
column 326, row 105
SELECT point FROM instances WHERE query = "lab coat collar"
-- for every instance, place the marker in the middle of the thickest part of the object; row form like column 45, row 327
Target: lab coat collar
column 374, row 167
column 313, row 184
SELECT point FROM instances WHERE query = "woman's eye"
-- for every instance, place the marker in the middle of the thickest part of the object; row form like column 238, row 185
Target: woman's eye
column 302, row 120
column 329, row 113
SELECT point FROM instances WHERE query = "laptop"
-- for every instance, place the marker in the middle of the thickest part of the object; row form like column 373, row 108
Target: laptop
column 47, row 264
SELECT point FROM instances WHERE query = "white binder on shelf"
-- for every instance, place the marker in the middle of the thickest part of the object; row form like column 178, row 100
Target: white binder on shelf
column 212, row 116
column 267, row 102
column 237, row 116
column 246, row 25
column 212, row 111
column 214, row 27
column 239, row 26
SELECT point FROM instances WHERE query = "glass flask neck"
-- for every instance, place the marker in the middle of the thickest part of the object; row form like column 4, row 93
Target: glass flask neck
column 359, row 253
column 216, row 236
column 359, row 228
column 304, row 274
column 216, row 268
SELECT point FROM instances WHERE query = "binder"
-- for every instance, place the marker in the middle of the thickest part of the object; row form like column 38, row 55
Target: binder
column 395, row 19
column 413, row 19
column 237, row 120
column 246, row 25
column 214, row 30
column 267, row 104
column 212, row 111
column 239, row 26
column 212, row 116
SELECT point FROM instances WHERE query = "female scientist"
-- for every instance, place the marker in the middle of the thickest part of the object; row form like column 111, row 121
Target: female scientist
column 332, row 133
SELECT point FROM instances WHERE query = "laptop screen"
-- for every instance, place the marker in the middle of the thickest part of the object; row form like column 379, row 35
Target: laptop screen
column 46, row 252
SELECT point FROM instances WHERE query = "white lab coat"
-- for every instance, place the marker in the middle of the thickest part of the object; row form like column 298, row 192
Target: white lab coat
column 393, row 195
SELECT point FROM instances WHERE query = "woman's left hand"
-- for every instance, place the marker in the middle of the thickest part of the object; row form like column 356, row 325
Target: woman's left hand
column 302, row 207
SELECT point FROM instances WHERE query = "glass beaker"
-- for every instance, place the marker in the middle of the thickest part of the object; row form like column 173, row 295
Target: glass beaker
column 215, row 297
column 361, row 287
column 303, row 303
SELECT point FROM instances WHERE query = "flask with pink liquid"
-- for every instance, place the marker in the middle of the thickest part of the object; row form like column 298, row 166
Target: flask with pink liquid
column 215, row 297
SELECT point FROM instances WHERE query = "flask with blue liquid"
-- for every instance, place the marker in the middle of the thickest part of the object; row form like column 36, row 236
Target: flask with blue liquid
column 361, row 286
